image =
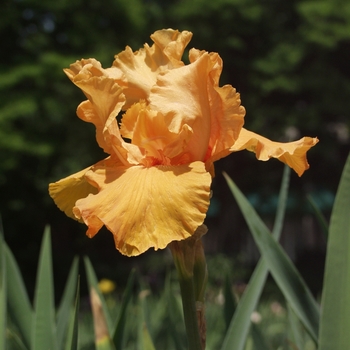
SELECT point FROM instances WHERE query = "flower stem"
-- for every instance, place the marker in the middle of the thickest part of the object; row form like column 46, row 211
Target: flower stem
column 190, row 313
column 191, row 268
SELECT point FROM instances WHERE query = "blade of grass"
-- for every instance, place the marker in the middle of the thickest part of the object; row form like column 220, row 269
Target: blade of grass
column 282, row 269
column 93, row 283
column 144, row 340
column 19, row 306
column 335, row 320
column 230, row 301
column 103, row 340
column 44, row 315
column 147, row 343
column 3, row 297
column 101, row 316
column 72, row 333
column 320, row 218
column 295, row 328
column 64, row 310
column 258, row 338
column 118, row 335
column 173, row 315
column 239, row 327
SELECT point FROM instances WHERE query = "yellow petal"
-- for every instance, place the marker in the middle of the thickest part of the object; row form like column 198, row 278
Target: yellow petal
column 290, row 153
column 141, row 68
column 67, row 191
column 146, row 207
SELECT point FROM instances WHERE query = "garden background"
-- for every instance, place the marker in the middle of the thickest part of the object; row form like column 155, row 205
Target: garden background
column 288, row 59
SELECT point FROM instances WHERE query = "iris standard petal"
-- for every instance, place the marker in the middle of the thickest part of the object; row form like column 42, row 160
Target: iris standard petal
column 141, row 68
column 182, row 96
column 146, row 207
column 290, row 153
column 151, row 133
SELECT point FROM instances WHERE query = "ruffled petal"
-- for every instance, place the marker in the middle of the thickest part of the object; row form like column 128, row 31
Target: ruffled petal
column 184, row 96
column 226, row 122
column 67, row 191
column 227, row 113
column 290, row 153
column 146, row 207
column 105, row 100
column 148, row 130
column 141, row 68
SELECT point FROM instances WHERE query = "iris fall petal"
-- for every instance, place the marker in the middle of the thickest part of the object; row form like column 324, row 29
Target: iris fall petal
column 67, row 191
column 146, row 207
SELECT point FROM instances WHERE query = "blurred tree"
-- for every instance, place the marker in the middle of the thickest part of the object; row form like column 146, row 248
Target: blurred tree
column 288, row 59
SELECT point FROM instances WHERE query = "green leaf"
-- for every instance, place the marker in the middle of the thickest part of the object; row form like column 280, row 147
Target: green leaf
column 118, row 335
column 258, row 338
column 19, row 306
column 72, row 334
column 296, row 330
column 238, row 331
column 93, row 283
column 144, row 340
column 64, row 310
column 102, row 319
column 173, row 315
column 335, row 321
column 230, row 301
column 44, row 314
column 103, row 340
column 3, row 290
column 282, row 269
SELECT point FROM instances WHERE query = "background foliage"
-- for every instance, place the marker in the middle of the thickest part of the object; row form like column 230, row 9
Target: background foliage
column 288, row 59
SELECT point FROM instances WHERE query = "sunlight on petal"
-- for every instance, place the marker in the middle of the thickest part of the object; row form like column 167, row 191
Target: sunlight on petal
column 290, row 153
column 68, row 190
column 181, row 95
column 146, row 207
column 152, row 134
column 141, row 68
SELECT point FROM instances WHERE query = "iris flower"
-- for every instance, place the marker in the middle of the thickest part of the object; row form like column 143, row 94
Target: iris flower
column 154, row 186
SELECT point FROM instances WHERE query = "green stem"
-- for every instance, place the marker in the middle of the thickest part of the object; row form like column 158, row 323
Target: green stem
column 190, row 313
column 184, row 262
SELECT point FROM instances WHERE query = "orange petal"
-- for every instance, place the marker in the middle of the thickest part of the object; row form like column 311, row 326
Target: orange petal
column 181, row 95
column 146, row 207
column 226, row 122
column 141, row 68
column 291, row 153
column 67, row 191
column 191, row 95
column 148, row 130
column 105, row 100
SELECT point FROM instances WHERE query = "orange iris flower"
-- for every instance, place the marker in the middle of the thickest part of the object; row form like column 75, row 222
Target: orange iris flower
column 154, row 187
